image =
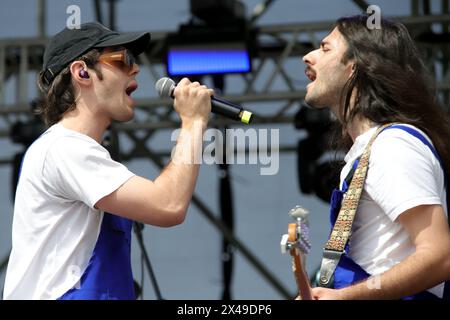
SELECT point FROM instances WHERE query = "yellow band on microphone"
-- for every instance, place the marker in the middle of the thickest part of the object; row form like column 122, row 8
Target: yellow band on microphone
column 246, row 117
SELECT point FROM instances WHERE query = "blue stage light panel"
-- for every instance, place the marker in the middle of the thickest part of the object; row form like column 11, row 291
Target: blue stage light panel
column 207, row 59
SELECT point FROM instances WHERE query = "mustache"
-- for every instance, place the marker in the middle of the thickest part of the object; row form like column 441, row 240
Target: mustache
column 310, row 73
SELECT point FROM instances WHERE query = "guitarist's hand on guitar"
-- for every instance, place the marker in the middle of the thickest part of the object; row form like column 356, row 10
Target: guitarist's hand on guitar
column 326, row 294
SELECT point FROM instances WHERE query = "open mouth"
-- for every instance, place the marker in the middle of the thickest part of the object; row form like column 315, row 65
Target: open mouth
column 129, row 90
column 310, row 74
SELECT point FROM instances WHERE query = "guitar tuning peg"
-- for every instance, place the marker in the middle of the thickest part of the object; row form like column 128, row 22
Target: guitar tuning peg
column 298, row 212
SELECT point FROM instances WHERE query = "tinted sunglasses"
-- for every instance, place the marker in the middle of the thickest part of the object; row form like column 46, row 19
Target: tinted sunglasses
column 124, row 56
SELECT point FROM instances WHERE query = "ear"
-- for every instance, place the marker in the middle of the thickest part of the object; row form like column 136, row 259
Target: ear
column 352, row 65
column 75, row 68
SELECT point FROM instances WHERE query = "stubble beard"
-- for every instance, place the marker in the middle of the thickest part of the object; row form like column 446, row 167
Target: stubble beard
column 318, row 99
column 328, row 97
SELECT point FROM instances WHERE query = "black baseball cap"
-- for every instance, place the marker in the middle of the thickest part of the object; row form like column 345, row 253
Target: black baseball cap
column 70, row 44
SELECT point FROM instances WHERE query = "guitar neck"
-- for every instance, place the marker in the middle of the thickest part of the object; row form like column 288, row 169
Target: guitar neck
column 301, row 277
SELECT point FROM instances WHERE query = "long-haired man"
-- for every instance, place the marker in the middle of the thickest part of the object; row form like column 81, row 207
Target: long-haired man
column 400, row 242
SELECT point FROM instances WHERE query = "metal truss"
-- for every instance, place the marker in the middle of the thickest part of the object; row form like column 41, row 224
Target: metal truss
column 271, row 83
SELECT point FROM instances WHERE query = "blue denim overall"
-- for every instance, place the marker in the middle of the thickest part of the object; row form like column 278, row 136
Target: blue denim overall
column 108, row 275
column 347, row 271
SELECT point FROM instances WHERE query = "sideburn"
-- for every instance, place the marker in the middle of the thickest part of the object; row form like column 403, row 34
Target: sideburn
column 345, row 114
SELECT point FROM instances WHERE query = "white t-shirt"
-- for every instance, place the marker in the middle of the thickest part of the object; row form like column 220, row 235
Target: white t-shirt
column 56, row 226
column 403, row 173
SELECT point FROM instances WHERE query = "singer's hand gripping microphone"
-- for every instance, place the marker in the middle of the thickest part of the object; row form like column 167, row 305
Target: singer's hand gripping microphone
column 165, row 87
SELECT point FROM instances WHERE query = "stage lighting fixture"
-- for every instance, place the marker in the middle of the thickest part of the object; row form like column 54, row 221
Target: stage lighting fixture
column 208, row 58
column 218, row 12
column 318, row 171
column 217, row 40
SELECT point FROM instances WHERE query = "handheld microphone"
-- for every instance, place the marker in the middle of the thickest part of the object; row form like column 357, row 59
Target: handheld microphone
column 165, row 87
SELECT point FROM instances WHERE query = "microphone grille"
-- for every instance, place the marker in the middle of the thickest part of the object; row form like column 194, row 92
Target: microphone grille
column 164, row 87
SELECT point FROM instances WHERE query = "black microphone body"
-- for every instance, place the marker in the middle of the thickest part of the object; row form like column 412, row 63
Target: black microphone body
column 165, row 87
column 226, row 108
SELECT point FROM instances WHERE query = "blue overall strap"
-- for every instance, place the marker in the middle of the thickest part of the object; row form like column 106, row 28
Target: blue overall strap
column 337, row 195
column 349, row 272
column 108, row 275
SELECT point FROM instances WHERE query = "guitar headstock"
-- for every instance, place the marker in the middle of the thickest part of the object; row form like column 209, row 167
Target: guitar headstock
column 299, row 212
column 298, row 232
column 297, row 242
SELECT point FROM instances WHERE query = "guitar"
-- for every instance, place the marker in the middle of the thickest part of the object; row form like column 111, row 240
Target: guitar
column 298, row 243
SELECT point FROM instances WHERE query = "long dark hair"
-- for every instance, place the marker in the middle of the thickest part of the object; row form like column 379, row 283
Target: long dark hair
column 391, row 81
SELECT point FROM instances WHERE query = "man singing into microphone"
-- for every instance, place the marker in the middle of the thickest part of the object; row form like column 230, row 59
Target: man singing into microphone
column 74, row 204
column 375, row 83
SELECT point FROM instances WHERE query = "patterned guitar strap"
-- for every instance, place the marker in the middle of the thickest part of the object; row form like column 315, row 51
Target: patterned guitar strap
column 335, row 246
